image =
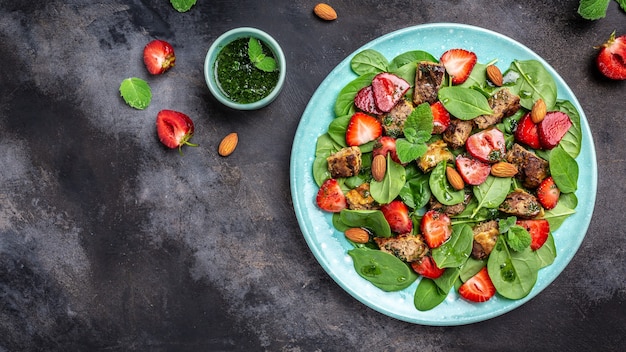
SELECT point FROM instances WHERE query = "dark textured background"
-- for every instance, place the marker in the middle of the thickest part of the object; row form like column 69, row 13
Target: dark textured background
column 110, row 242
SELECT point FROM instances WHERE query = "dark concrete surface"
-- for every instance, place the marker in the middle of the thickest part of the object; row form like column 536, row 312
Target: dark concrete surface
column 109, row 242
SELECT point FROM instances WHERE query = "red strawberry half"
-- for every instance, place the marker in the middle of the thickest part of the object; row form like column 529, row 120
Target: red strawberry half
column 427, row 267
column 364, row 100
column 548, row 193
column 479, row 288
column 552, row 128
column 397, row 215
column 441, row 117
column 388, row 89
column 539, row 229
column 362, row 128
column 330, row 197
column 384, row 145
column 527, row 132
column 473, row 172
column 459, row 64
column 436, row 228
column 174, row 129
column 158, row 55
column 487, row 145
column 611, row 59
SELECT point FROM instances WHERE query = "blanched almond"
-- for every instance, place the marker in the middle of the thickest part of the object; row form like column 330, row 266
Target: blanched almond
column 228, row 144
column 379, row 167
column 357, row 235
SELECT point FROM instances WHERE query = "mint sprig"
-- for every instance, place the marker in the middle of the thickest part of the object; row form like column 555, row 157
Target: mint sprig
column 596, row 9
column 182, row 5
column 260, row 60
column 136, row 92
column 418, row 128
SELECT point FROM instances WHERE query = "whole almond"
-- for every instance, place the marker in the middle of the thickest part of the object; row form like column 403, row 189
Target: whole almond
column 325, row 12
column 357, row 235
column 503, row 169
column 494, row 75
column 455, row 179
column 538, row 111
column 228, row 144
column 379, row 167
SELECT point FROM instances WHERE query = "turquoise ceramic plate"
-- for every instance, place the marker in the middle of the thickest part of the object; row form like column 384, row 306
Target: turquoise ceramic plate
column 329, row 246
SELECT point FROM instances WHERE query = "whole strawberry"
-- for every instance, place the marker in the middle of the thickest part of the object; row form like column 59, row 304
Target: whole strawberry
column 611, row 60
column 158, row 55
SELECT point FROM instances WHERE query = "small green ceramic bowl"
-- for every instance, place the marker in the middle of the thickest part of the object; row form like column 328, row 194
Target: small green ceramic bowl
column 225, row 39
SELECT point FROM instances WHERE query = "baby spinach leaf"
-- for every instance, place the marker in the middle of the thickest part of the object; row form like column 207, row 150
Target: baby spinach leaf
column 369, row 61
column 416, row 193
column 382, row 269
column 491, row 193
column 477, row 77
column 558, row 214
column 546, row 253
column 320, row 170
column 136, row 92
column 337, row 130
column 446, row 281
column 373, row 220
column 455, row 251
column 564, row 170
column 572, row 141
column 407, row 73
column 411, row 57
column 428, row 295
column 464, row 103
column 533, row 82
column 471, row 267
column 389, row 188
column 441, row 189
column 338, row 223
column 513, row 273
column 345, row 100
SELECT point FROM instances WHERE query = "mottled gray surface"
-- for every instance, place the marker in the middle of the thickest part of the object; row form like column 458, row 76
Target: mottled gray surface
column 110, row 242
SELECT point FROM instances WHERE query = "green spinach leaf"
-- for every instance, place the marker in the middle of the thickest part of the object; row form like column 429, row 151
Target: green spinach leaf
column 389, row 188
column 345, row 100
column 373, row 220
column 533, row 82
column 411, row 57
column 428, row 295
column 464, row 103
column 440, row 187
column 513, row 273
column 564, row 170
column 454, row 252
column 491, row 193
column 369, row 61
column 416, row 193
column 382, row 269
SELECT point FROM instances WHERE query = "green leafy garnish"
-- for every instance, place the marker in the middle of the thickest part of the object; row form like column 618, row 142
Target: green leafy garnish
column 182, row 5
column 418, row 128
column 596, row 9
column 136, row 92
column 260, row 60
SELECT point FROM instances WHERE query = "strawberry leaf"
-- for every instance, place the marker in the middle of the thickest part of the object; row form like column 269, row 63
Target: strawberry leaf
column 136, row 92
column 182, row 5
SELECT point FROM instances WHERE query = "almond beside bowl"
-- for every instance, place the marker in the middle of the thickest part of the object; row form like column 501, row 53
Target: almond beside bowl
column 234, row 63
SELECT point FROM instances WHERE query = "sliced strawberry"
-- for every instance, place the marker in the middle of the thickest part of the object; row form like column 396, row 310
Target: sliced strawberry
column 330, row 197
column 552, row 128
column 548, row 193
column 459, row 64
column 441, row 117
column 611, row 59
column 388, row 89
column 364, row 100
column 158, row 55
column 527, row 132
column 397, row 215
column 362, row 128
column 473, row 171
column 487, row 146
column 436, row 228
column 479, row 288
column 384, row 145
column 174, row 129
column 427, row 267
column 539, row 229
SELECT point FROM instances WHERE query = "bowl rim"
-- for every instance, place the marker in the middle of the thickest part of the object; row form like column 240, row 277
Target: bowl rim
column 226, row 38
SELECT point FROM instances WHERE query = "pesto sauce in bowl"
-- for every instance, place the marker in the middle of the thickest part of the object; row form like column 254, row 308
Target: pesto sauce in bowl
column 238, row 78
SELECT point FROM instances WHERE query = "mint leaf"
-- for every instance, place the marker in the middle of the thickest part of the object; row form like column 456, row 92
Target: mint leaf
column 505, row 224
column 622, row 4
column 136, row 92
column 267, row 64
column 518, row 238
column 593, row 9
column 182, row 5
column 420, row 119
column 255, row 51
column 408, row 151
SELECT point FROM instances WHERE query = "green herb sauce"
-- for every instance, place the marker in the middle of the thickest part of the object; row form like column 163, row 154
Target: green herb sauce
column 237, row 76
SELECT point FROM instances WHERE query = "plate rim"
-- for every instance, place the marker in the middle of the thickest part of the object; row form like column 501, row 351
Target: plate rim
column 497, row 311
